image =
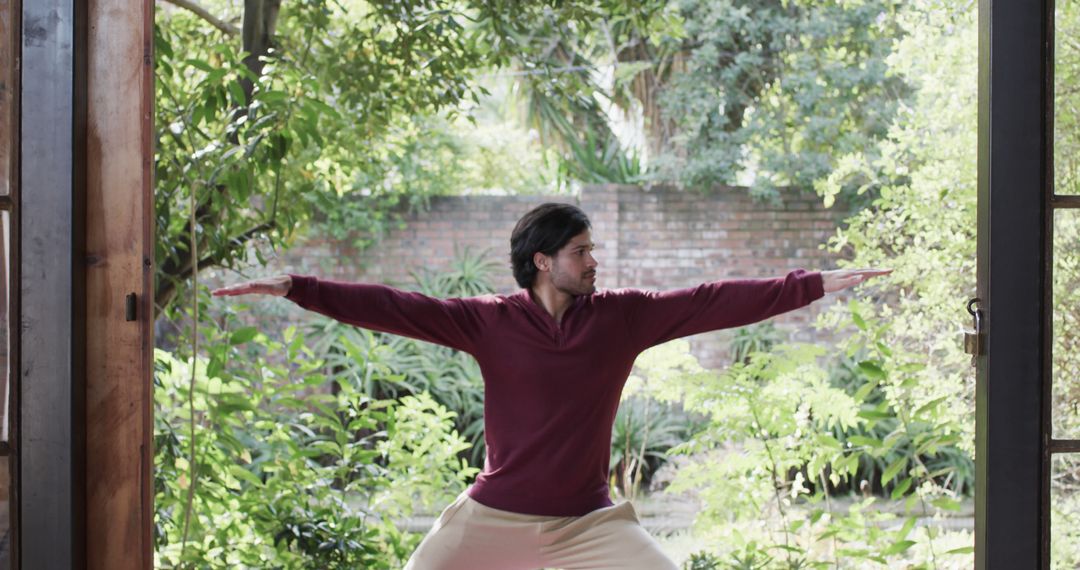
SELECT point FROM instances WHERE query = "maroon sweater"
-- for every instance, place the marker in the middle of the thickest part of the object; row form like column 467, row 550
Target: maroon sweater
column 551, row 391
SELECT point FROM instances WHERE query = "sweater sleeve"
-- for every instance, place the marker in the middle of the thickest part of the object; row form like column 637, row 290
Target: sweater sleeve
column 657, row 317
column 456, row 323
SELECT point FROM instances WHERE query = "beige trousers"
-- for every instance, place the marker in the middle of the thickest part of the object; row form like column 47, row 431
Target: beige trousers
column 471, row 536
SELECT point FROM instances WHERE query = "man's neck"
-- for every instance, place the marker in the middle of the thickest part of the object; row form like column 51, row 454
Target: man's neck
column 554, row 301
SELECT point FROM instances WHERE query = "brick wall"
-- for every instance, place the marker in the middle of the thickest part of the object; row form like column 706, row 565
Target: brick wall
column 658, row 239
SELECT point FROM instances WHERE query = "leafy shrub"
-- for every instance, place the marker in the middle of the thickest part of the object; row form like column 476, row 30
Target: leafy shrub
column 949, row 464
column 768, row 464
column 702, row 561
column 286, row 476
column 644, row 431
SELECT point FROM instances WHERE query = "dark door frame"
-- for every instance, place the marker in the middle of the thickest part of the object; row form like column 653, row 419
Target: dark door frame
column 1014, row 443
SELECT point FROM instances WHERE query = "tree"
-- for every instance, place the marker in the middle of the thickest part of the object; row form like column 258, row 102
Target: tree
column 889, row 409
column 771, row 93
column 261, row 127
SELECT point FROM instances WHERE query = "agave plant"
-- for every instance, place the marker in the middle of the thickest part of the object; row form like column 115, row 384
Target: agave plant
column 468, row 275
column 754, row 338
column 643, row 432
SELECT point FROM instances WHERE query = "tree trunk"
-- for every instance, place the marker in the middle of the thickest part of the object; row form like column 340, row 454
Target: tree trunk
column 260, row 21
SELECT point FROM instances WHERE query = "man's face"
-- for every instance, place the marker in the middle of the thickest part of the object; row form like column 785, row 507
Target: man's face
column 573, row 268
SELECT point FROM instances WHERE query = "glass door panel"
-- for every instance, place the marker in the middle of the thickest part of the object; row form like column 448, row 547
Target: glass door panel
column 1065, row 511
column 1065, row 409
column 1067, row 97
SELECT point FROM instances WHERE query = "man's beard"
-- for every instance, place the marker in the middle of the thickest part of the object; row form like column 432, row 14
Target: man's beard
column 582, row 286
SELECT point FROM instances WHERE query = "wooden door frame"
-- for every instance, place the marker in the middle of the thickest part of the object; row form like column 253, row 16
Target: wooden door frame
column 119, row 266
column 85, row 412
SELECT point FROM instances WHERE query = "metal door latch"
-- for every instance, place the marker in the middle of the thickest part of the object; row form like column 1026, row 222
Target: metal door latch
column 975, row 340
column 130, row 305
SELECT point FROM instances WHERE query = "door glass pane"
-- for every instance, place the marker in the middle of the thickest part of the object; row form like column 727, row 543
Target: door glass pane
column 1065, row 511
column 1066, row 351
column 1067, row 97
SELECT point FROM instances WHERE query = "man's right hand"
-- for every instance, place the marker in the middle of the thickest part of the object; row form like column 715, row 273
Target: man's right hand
column 277, row 286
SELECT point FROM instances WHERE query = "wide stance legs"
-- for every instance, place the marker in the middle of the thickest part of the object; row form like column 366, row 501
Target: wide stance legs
column 471, row 536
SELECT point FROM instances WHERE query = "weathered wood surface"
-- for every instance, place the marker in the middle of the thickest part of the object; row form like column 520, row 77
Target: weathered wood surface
column 9, row 182
column 119, row 210
column 9, row 93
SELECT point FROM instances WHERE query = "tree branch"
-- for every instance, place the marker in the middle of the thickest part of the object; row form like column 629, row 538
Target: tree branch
column 225, row 27
column 182, row 270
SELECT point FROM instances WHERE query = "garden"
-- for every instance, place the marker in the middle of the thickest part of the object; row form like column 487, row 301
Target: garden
column 307, row 443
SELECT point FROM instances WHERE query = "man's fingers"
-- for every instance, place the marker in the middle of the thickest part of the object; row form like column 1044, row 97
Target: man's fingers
column 270, row 286
column 858, row 276
column 232, row 290
column 837, row 280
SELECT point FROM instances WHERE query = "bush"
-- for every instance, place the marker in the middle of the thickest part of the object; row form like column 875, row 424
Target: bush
column 286, row 476
column 644, row 431
column 768, row 464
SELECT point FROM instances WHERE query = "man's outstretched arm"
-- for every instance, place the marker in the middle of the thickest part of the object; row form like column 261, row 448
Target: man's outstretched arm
column 456, row 323
column 657, row 317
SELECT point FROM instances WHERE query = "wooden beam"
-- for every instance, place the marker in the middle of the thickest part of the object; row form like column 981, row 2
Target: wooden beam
column 10, row 14
column 9, row 94
column 119, row 244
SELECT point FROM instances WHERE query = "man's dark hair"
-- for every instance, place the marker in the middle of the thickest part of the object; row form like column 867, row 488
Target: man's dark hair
column 545, row 229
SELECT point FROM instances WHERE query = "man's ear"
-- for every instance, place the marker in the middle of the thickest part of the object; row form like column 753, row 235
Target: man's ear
column 541, row 261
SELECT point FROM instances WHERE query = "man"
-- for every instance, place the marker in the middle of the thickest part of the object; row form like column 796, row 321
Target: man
column 554, row 357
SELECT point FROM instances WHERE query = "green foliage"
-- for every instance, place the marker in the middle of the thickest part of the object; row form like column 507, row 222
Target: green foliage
column 778, row 90
column 1066, row 98
column 778, row 446
column 702, row 561
column 889, row 440
column 770, row 93
column 350, row 123
column 753, row 339
column 558, row 50
column 286, row 475
column 351, row 100
column 413, row 160
column 350, row 115
column 792, row 432
column 752, row 557
column 1065, row 414
column 643, row 432
column 922, row 225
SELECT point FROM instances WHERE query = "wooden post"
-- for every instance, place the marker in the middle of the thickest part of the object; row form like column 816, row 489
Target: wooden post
column 119, row 246
column 10, row 10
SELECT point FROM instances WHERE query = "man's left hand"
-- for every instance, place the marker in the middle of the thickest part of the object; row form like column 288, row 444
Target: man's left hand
column 844, row 278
